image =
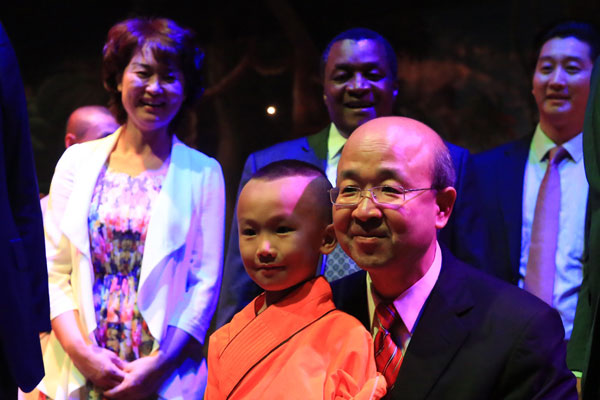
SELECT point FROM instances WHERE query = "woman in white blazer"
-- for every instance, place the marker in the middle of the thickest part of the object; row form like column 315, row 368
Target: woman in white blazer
column 134, row 233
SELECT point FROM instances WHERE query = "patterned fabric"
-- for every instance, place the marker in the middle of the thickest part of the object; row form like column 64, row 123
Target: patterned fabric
column 339, row 265
column 118, row 220
column 388, row 356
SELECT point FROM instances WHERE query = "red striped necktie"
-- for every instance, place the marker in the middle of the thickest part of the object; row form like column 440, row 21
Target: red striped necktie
column 388, row 356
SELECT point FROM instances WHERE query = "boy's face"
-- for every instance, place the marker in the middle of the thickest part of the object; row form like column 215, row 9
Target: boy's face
column 281, row 231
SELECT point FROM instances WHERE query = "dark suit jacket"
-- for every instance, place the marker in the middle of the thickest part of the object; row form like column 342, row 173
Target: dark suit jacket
column 499, row 176
column 237, row 289
column 477, row 338
column 584, row 347
column 24, row 304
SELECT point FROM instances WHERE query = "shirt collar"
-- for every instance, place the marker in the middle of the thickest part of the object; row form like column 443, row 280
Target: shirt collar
column 410, row 303
column 541, row 143
column 335, row 141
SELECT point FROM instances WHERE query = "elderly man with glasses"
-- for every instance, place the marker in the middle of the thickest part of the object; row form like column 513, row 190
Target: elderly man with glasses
column 441, row 328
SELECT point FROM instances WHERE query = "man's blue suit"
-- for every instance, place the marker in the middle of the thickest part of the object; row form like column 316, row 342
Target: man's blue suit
column 476, row 338
column 500, row 173
column 24, row 304
column 460, row 235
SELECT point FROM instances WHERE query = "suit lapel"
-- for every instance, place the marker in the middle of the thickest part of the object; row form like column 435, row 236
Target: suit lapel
column 316, row 145
column 510, row 197
column 74, row 223
column 350, row 296
column 172, row 212
column 439, row 334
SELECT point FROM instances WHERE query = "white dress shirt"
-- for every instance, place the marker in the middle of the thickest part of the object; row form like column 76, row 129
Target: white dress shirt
column 573, row 201
column 410, row 303
column 335, row 142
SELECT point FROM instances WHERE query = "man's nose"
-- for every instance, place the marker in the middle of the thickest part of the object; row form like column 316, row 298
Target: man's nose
column 366, row 208
column 557, row 77
column 358, row 82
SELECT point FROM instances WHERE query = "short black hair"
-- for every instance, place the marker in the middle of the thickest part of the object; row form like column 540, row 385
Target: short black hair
column 288, row 168
column 444, row 174
column 580, row 30
column 357, row 34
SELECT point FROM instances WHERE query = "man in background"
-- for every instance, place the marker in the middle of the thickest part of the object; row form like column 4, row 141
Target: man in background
column 534, row 190
column 84, row 124
column 89, row 123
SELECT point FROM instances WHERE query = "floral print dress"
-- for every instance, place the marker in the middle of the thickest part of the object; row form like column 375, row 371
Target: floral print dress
column 118, row 221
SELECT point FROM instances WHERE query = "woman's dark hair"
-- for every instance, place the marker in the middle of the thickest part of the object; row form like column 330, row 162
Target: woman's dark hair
column 169, row 44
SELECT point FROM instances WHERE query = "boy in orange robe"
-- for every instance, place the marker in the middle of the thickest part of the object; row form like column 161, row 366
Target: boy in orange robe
column 290, row 341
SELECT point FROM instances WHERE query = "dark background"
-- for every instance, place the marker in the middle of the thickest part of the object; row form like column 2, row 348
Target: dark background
column 464, row 66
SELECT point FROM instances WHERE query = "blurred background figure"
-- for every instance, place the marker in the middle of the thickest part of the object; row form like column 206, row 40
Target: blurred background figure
column 134, row 232
column 534, row 190
column 84, row 124
column 24, row 285
column 583, row 350
column 89, row 123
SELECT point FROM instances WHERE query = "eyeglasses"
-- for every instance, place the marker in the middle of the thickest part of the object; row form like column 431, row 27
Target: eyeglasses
column 350, row 196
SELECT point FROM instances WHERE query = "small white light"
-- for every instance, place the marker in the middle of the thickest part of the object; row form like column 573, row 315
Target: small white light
column 271, row 110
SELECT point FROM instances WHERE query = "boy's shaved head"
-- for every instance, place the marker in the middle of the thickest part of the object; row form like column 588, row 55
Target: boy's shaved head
column 318, row 188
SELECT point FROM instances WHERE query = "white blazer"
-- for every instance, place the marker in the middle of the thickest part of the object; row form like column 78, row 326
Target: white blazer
column 181, row 266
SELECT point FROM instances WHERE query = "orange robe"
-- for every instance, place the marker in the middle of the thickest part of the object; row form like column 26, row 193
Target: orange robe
column 299, row 348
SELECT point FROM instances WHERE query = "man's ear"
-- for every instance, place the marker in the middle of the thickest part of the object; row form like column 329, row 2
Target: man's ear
column 329, row 240
column 444, row 199
column 70, row 139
